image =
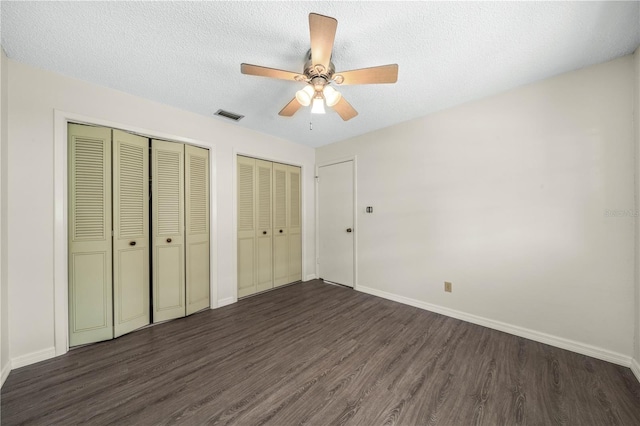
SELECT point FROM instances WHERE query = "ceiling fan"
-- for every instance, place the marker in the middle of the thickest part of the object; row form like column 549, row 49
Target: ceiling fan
column 319, row 73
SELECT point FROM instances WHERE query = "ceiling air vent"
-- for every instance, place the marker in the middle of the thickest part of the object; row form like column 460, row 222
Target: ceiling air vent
column 229, row 115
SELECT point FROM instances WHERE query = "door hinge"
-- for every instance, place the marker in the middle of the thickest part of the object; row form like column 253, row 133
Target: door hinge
column 317, row 179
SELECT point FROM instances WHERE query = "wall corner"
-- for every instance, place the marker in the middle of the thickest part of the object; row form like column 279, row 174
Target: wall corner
column 636, row 131
column 5, row 362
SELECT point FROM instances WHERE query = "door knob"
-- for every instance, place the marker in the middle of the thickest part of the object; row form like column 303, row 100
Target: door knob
column 132, row 243
column 281, row 231
column 168, row 240
column 348, row 229
column 264, row 232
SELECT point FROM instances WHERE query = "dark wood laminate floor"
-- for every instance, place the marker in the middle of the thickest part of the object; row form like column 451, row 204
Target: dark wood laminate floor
column 319, row 354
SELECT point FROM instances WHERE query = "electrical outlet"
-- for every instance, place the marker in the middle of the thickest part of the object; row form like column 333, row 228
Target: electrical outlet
column 447, row 286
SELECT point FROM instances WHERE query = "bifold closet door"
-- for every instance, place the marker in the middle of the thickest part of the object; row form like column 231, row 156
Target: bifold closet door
column 264, row 232
column 269, row 224
column 130, row 232
column 197, row 222
column 287, row 247
column 281, row 225
column 246, row 172
column 295, row 222
column 90, row 245
column 167, row 215
column 255, row 226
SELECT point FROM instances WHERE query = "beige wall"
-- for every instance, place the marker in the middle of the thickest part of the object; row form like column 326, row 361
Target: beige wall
column 4, row 283
column 33, row 97
column 507, row 198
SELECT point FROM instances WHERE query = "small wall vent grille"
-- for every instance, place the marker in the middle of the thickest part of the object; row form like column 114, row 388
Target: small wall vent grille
column 229, row 115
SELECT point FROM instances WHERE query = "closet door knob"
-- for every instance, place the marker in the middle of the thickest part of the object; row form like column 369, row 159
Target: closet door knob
column 281, row 231
column 168, row 240
column 132, row 243
column 348, row 229
column 264, row 232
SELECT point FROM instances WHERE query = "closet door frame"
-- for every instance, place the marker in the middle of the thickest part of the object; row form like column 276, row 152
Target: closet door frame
column 61, row 227
column 234, row 213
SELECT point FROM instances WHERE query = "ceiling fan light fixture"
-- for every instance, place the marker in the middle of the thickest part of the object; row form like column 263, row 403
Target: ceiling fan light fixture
column 318, row 72
column 305, row 95
column 318, row 105
column 331, row 95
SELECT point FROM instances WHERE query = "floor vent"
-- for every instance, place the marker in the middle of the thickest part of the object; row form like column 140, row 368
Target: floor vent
column 229, row 115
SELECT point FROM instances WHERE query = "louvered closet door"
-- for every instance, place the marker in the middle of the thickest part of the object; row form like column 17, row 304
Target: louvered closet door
column 90, row 249
column 264, row 249
column 130, row 232
column 295, row 224
column 168, row 230
column 246, row 169
column 280, row 226
column 197, row 222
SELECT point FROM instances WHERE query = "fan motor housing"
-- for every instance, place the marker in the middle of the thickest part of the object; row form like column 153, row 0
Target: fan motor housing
column 318, row 71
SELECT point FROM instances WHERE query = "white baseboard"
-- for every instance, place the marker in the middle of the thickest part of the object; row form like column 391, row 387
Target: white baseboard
column 32, row 358
column 560, row 342
column 226, row 301
column 5, row 373
column 310, row 277
column 635, row 367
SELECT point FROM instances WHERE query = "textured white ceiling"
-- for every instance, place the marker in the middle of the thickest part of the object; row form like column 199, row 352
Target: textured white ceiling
column 188, row 54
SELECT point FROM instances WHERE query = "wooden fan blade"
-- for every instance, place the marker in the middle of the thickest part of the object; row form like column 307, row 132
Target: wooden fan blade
column 269, row 72
column 344, row 108
column 291, row 108
column 323, row 32
column 373, row 75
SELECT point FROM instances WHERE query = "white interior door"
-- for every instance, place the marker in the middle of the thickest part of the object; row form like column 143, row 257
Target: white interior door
column 335, row 220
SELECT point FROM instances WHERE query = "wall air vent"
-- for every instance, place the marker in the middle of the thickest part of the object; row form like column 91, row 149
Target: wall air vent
column 229, row 115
